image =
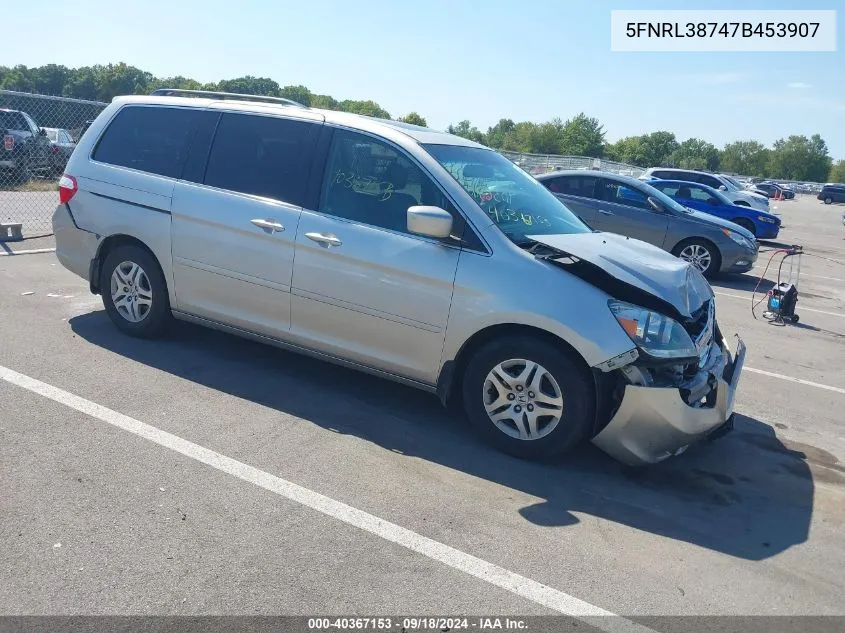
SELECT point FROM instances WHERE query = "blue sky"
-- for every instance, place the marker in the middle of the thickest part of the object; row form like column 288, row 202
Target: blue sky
column 477, row 60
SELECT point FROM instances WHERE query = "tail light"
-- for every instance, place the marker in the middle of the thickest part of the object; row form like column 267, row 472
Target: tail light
column 55, row 148
column 67, row 188
column 9, row 142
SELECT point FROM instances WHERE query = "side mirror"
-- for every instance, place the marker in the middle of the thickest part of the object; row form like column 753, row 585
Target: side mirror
column 655, row 204
column 42, row 132
column 722, row 188
column 429, row 221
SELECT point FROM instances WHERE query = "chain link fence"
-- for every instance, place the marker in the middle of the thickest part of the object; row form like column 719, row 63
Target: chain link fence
column 536, row 164
column 39, row 133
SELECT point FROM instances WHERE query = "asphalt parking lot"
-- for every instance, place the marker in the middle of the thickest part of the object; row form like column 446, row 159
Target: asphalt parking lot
column 205, row 474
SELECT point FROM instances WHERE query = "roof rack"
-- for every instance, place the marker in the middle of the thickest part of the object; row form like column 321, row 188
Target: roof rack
column 211, row 94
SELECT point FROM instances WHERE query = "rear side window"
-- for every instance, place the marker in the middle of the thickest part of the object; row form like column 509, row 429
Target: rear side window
column 262, row 156
column 665, row 175
column 669, row 189
column 13, row 121
column 150, row 139
column 612, row 191
column 710, row 181
column 573, row 186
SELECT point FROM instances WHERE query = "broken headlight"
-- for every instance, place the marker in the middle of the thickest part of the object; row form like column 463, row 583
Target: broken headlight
column 655, row 334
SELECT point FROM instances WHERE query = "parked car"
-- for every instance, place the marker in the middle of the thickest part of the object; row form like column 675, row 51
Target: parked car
column 772, row 189
column 744, row 185
column 419, row 256
column 733, row 191
column 61, row 147
column 618, row 204
column 25, row 150
column 832, row 193
column 692, row 195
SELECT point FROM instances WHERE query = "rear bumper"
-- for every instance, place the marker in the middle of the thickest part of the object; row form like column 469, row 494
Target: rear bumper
column 75, row 248
column 654, row 423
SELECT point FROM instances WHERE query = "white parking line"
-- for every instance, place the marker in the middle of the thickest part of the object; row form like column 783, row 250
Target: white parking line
column 488, row 572
column 760, row 269
column 31, row 251
column 801, row 309
column 799, row 381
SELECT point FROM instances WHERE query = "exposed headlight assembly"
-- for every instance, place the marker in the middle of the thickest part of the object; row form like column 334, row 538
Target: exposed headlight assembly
column 655, row 334
column 739, row 239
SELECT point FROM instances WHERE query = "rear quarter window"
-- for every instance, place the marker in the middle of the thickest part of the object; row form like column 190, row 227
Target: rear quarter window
column 572, row 185
column 150, row 139
column 262, row 156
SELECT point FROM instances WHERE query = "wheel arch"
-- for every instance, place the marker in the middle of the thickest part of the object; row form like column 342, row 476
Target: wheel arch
column 745, row 222
column 449, row 380
column 698, row 238
column 108, row 245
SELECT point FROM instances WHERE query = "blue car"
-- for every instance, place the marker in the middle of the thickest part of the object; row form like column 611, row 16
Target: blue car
column 764, row 226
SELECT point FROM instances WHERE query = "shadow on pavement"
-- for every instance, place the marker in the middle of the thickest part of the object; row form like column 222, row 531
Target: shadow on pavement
column 748, row 494
column 742, row 282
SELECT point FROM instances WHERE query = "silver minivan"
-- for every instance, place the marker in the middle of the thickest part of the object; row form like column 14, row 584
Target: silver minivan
column 408, row 253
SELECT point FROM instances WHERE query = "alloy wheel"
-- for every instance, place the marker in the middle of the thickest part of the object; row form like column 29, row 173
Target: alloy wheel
column 697, row 255
column 131, row 292
column 522, row 399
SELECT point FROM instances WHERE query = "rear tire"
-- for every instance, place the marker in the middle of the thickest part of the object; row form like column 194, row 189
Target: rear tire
column 693, row 250
column 542, row 400
column 828, row 200
column 134, row 292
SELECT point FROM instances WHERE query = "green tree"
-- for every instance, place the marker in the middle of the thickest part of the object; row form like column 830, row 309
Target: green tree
column 800, row 158
column 466, row 130
column 837, row 172
column 324, row 102
column 646, row 150
column 120, row 79
column 695, row 153
column 50, row 79
column 582, row 136
column 82, row 84
column 250, row 85
column 414, row 119
column 498, row 135
column 300, row 94
column 749, row 158
column 182, row 83
column 17, row 78
column 367, row 108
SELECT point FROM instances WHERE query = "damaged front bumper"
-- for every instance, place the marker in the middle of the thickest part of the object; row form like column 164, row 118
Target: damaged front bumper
column 653, row 423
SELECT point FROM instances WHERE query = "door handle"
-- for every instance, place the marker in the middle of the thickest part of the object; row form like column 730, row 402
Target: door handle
column 323, row 239
column 605, row 212
column 270, row 225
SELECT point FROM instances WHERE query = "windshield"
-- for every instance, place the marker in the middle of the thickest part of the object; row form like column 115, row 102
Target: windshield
column 731, row 184
column 517, row 203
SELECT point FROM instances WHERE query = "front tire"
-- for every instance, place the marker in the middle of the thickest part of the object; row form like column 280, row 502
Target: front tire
column 828, row 200
column 528, row 398
column 701, row 254
column 134, row 292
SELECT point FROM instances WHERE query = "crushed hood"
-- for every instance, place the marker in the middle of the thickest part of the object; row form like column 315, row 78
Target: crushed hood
column 632, row 263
